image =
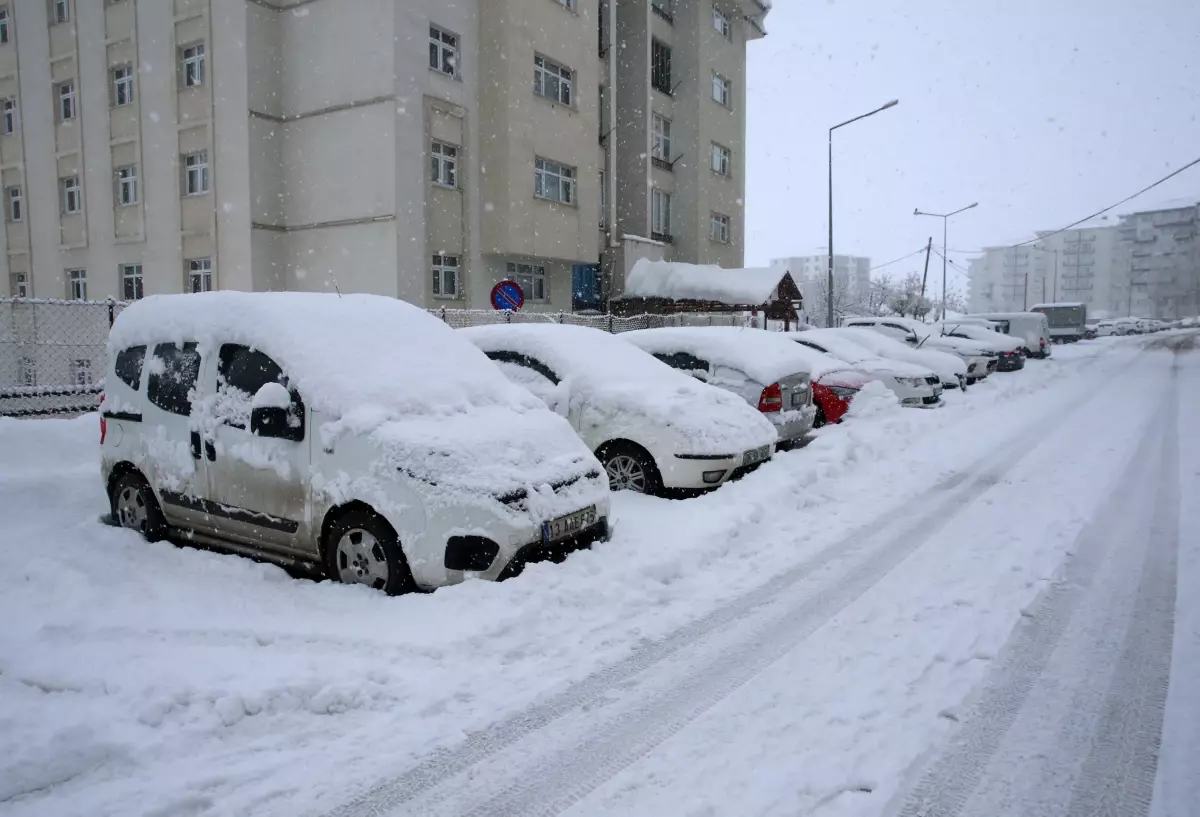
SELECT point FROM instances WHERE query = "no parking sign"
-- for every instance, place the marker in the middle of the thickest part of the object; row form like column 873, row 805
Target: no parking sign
column 508, row 296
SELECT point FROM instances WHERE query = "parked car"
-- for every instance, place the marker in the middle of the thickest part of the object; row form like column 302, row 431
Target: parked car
column 916, row 386
column 1010, row 350
column 1032, row 327
column 949, row 367
column 760, row 367
column 980, row 361
column 651, row 426
column 284, row 426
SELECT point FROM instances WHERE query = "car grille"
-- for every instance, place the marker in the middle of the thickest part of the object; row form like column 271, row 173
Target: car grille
column 930, row 400
column 515, row 499
column 933, row 380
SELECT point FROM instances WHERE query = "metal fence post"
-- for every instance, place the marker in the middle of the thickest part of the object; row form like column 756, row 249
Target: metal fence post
column 112, row 312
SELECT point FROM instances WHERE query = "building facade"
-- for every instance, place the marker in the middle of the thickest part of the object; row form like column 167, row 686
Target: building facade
column 1005, row 279
column 851, row 282
column 1160, row 263
column 422, row 149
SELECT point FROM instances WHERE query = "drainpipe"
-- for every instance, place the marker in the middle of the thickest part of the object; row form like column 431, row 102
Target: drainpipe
column 614, row 240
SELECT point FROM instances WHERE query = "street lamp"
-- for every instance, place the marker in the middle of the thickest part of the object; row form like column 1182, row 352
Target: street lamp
column 945, row 247
column 829, row 281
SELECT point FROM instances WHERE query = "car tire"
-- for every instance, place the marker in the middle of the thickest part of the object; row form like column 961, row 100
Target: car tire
column 630, row 468
column 134, row 506
column 819, row 418
column 362, row 548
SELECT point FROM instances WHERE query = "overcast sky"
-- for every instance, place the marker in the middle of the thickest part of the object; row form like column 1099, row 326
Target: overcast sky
column 1042, row 110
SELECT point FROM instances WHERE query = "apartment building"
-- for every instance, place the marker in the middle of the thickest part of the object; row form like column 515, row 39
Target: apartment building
column 851, row 282
column 422, row 149
column 1080, row 265
column 1005, row 279
column 1159, row 262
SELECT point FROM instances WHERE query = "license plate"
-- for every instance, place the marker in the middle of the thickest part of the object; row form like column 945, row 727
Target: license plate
column 798, row 398
column 567, row 526
column 756, row 455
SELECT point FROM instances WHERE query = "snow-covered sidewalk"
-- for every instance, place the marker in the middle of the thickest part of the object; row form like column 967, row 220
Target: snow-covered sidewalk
column 191, row 682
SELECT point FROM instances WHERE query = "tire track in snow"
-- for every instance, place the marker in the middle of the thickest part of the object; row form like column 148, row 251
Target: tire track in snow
column 1119, row 729
column 861, row 559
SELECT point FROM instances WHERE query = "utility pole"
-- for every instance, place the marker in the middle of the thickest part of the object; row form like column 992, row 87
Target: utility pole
column 925, row 277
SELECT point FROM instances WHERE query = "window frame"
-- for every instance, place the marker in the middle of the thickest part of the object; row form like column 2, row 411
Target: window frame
column 192, row 66
column 719, row 154
column 721, row 23
column 726, row 228
column 18, row 283
column 547, row 71
column 660, row 139
column 660, row 66
column 437, row 39
column 122, row 85
column 565, row 178
column 126, row 182
column 132, row 274
column 200, row 269
column 130, row 358
column 230, row 353
column 196, row 163
column 77, row 284
column 66, row 101
column 8, row 116
column 70, row 190
column 5, row 25
column 528, row 276
column 444, row 265
column 171, row 401
column 81, row 370
column 60, row 12
column 27, row 371
column 660, row 214
column 725, row 86
column 14, row 204
column 444, row 163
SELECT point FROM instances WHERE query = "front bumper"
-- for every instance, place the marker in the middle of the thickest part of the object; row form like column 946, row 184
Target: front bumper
column 555, row 552
column 699, row 472
column 1010, row 362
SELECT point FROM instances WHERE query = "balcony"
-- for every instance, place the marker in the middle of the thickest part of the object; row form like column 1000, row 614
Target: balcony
column 664, row 9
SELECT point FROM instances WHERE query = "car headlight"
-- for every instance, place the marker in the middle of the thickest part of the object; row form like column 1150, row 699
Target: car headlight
column 844, row 392
column 916, row 382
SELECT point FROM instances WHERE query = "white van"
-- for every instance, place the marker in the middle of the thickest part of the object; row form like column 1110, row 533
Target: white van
column 1033, row 327
column 357, row 434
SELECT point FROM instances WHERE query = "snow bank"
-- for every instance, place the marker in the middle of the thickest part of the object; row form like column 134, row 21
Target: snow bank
column 841, row 346
column 678, row 281
column 607, row 377
column 765, row 356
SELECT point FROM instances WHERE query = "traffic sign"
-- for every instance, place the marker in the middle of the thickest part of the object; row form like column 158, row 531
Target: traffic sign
column 508, row 296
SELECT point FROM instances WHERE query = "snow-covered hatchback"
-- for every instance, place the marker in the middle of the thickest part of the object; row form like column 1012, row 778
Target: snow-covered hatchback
column 355, row 433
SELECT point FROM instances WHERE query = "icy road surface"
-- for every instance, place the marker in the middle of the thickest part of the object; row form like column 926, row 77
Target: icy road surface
column 990, row 609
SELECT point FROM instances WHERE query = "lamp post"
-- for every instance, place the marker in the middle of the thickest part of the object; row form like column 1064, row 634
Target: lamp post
column 945, row 250
column 829, row 280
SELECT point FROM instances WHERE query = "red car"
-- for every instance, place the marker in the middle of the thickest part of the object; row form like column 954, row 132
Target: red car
column 833, row 392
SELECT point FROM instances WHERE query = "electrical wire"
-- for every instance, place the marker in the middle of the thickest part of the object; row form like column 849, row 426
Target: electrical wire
column 917, row 251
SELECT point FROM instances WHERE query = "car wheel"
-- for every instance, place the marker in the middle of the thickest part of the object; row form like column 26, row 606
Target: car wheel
column 362, row 548
column 135, row 507
column 630, row 469
column 819, row 419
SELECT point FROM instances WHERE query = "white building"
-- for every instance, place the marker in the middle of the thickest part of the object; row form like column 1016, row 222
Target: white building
column 1004, row 279
column 422, row 149
column 851, row 281
column 1159, row 263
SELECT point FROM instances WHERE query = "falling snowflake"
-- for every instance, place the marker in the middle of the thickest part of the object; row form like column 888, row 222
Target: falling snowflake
column 154, row 117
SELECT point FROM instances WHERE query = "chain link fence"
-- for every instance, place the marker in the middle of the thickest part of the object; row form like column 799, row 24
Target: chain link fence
column 53, row 353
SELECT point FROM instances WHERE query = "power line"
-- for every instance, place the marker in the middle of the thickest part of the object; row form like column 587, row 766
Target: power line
column 957, row 268
column 917, row 251
column 1145, row 189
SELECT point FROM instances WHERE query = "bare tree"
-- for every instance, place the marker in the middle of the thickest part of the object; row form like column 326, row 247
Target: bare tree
column 907, row 300
column 874, row 303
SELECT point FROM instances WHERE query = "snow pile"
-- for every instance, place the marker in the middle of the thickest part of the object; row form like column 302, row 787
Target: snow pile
column 764, row 356
column 608, row 380
column 836, row 343
column 947, row 365
column 872, row 400
column 678, row 281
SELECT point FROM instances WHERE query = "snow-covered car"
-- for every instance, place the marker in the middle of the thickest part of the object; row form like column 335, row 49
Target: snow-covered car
column 1010, row 350
column 651, row 426
column 916, row 386
column 286, row 426
column 834, row 384
column 1032, row 327
column 980, row 361
column 760, row 367
column 948, row 366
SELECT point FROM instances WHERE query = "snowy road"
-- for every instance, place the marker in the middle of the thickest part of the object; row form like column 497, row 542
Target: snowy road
column 962, row 612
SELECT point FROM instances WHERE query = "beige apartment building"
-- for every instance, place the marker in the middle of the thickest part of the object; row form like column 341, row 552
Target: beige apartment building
column 421, row 149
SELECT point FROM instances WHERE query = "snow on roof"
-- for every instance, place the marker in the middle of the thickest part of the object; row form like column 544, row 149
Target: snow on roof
column 677, row 281
column 764, row 356
column 612, row 377
column 341, row 353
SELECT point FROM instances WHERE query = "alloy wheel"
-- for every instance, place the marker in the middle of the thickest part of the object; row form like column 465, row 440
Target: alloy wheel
column 361, row 559
column 625, row 473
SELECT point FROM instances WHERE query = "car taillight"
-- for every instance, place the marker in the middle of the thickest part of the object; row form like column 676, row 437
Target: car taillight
column 771, row 399
column 103, row 422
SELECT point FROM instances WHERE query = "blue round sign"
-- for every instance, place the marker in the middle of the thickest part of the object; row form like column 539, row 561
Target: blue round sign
column 508, row 296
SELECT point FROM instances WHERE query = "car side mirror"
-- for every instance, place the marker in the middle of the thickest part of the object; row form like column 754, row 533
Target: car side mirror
column 269, row 411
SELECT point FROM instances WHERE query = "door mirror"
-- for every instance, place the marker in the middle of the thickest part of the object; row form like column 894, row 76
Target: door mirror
column 269, row 411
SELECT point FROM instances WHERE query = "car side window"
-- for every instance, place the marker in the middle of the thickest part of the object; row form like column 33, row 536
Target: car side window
column 173, row 374
column 810, row 345
column 526, row 361
column 128, row 366
column 686, row 363
column 241, row 372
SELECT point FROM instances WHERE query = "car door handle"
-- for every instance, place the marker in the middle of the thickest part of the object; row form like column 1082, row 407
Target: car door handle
column 210, row 450
column 195, row 445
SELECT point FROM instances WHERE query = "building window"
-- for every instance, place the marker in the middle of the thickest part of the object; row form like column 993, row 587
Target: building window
column 720, row 160
column 28, row 371
column 660, row 145
column 77, row 284
column 71, row 195
column 192, row 58
column 82, row 368
column 127, row 186
column 3, row 25
column 664, row 9
column 16, row 203
column 19, row 285
column 721, row 89
column 532, row 278
column 62, row 11
column 719, row 228
column 553, row 181
column 443, row 51
column 445, row 276
column 551, row 80
column 660, row 66
column 444, row 164
column 66, row 101
column 721, row 23
column 603, row 199
column 200, row 275
column 195, row 173
column 567, row 4
column 9, row 116
column 122, row 81
column 131, row 282
column 660, row 215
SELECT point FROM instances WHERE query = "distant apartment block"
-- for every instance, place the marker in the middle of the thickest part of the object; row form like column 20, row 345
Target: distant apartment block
column 851, row 281
column 422, row 149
